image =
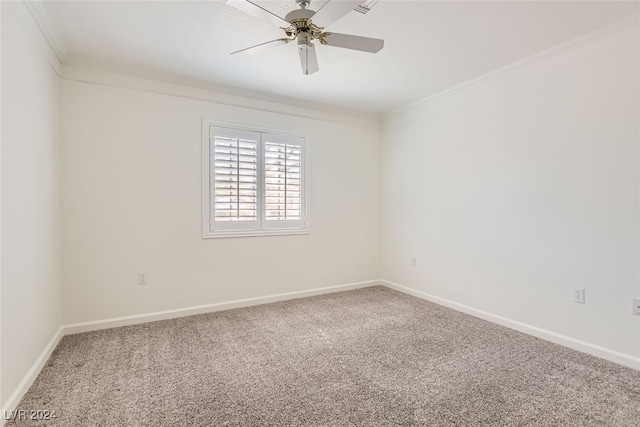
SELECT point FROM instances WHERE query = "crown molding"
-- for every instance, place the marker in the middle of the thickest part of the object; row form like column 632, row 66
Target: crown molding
column 176, row 86
column 72, row 67
column 588, row 38
column 26, row 13
column 41, row 18
column 48, row 31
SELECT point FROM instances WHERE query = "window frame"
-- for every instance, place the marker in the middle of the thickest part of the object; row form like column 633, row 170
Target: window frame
column 208, row 229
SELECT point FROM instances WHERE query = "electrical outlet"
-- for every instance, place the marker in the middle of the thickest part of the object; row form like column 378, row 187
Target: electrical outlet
column 413, row 261
column 578, row 295
column 636, row 306
column 142, row 279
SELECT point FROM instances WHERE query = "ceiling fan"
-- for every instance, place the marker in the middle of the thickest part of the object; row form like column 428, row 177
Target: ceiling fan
column 303, row 26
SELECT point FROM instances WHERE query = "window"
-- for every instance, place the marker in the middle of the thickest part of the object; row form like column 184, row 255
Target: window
column 254, row 182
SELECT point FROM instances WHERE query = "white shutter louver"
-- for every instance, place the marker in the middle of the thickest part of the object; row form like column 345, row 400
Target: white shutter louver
column 234, row 175
column 283, row 181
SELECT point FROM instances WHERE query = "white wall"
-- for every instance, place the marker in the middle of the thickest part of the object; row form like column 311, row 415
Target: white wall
column 510, row 193
column 31, row 280
column 515, row 190
column 131, row 164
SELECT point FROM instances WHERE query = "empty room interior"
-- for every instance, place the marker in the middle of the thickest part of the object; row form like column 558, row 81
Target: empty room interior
column 320, row 212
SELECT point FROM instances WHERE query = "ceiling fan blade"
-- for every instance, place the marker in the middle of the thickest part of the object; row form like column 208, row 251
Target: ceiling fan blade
column 308, row 58
column 347, row 41
column 259, row 12
column 333, row 10
column 260, row 47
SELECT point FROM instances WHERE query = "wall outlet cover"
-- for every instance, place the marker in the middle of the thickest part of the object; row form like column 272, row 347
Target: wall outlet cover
column 636, row 306
column 142, row 279
column 578, row 295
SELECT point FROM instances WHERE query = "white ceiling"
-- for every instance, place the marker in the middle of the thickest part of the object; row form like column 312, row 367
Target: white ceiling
column 429, row 45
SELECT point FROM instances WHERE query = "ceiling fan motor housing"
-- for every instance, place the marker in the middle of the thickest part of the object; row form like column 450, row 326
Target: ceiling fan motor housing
column 299, row 18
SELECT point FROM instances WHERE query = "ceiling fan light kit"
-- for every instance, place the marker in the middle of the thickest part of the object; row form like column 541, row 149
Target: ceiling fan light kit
column 298, row 25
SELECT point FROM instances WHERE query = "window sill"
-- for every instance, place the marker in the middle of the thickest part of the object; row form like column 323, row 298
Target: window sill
column 253, row 233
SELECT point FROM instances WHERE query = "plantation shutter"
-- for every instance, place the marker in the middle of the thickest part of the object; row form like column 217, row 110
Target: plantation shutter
column 234, row 157
column 254, row 182
column 283, row 181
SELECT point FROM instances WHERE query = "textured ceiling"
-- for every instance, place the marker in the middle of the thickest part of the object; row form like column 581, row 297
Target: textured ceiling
column 429, row 45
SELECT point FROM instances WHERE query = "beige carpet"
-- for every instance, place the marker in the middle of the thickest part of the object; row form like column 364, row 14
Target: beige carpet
column 370, row 357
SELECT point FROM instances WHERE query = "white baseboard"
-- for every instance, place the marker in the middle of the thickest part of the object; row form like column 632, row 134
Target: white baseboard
column 23, row 387
column 583, row 346
column 209, row 308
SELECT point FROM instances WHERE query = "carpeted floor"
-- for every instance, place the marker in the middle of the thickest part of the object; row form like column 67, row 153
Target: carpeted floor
column 370, row 357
